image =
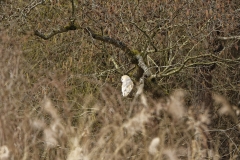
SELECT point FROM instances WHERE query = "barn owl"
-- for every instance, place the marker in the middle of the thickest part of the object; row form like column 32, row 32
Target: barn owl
column 127, row 85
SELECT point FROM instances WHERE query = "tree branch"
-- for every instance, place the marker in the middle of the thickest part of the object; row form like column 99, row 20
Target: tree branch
column 30, row 7
column 132, row 53
column 145, row 33
column 184, row 64
column 176, row 70
column 67, row 28
column 229, row 38
column 72, row 19
column 109, row 40
column 73, row 9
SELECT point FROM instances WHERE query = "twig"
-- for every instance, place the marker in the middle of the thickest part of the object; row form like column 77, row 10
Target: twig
column 30, row 7
column 145, row 33
column 229, row 38
column 73, row 9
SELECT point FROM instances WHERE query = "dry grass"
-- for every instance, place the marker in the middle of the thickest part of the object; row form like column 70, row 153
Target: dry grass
column 42, row 118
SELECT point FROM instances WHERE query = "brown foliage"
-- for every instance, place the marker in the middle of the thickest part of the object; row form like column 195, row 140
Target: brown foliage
column 60, row 97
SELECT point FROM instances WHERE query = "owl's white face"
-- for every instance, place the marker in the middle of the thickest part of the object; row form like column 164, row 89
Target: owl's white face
column 127, row 85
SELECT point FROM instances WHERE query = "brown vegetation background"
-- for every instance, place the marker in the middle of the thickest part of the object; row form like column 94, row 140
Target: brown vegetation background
column 61, row 65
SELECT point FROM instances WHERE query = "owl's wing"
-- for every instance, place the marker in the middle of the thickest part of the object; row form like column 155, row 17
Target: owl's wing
column 127, row 88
